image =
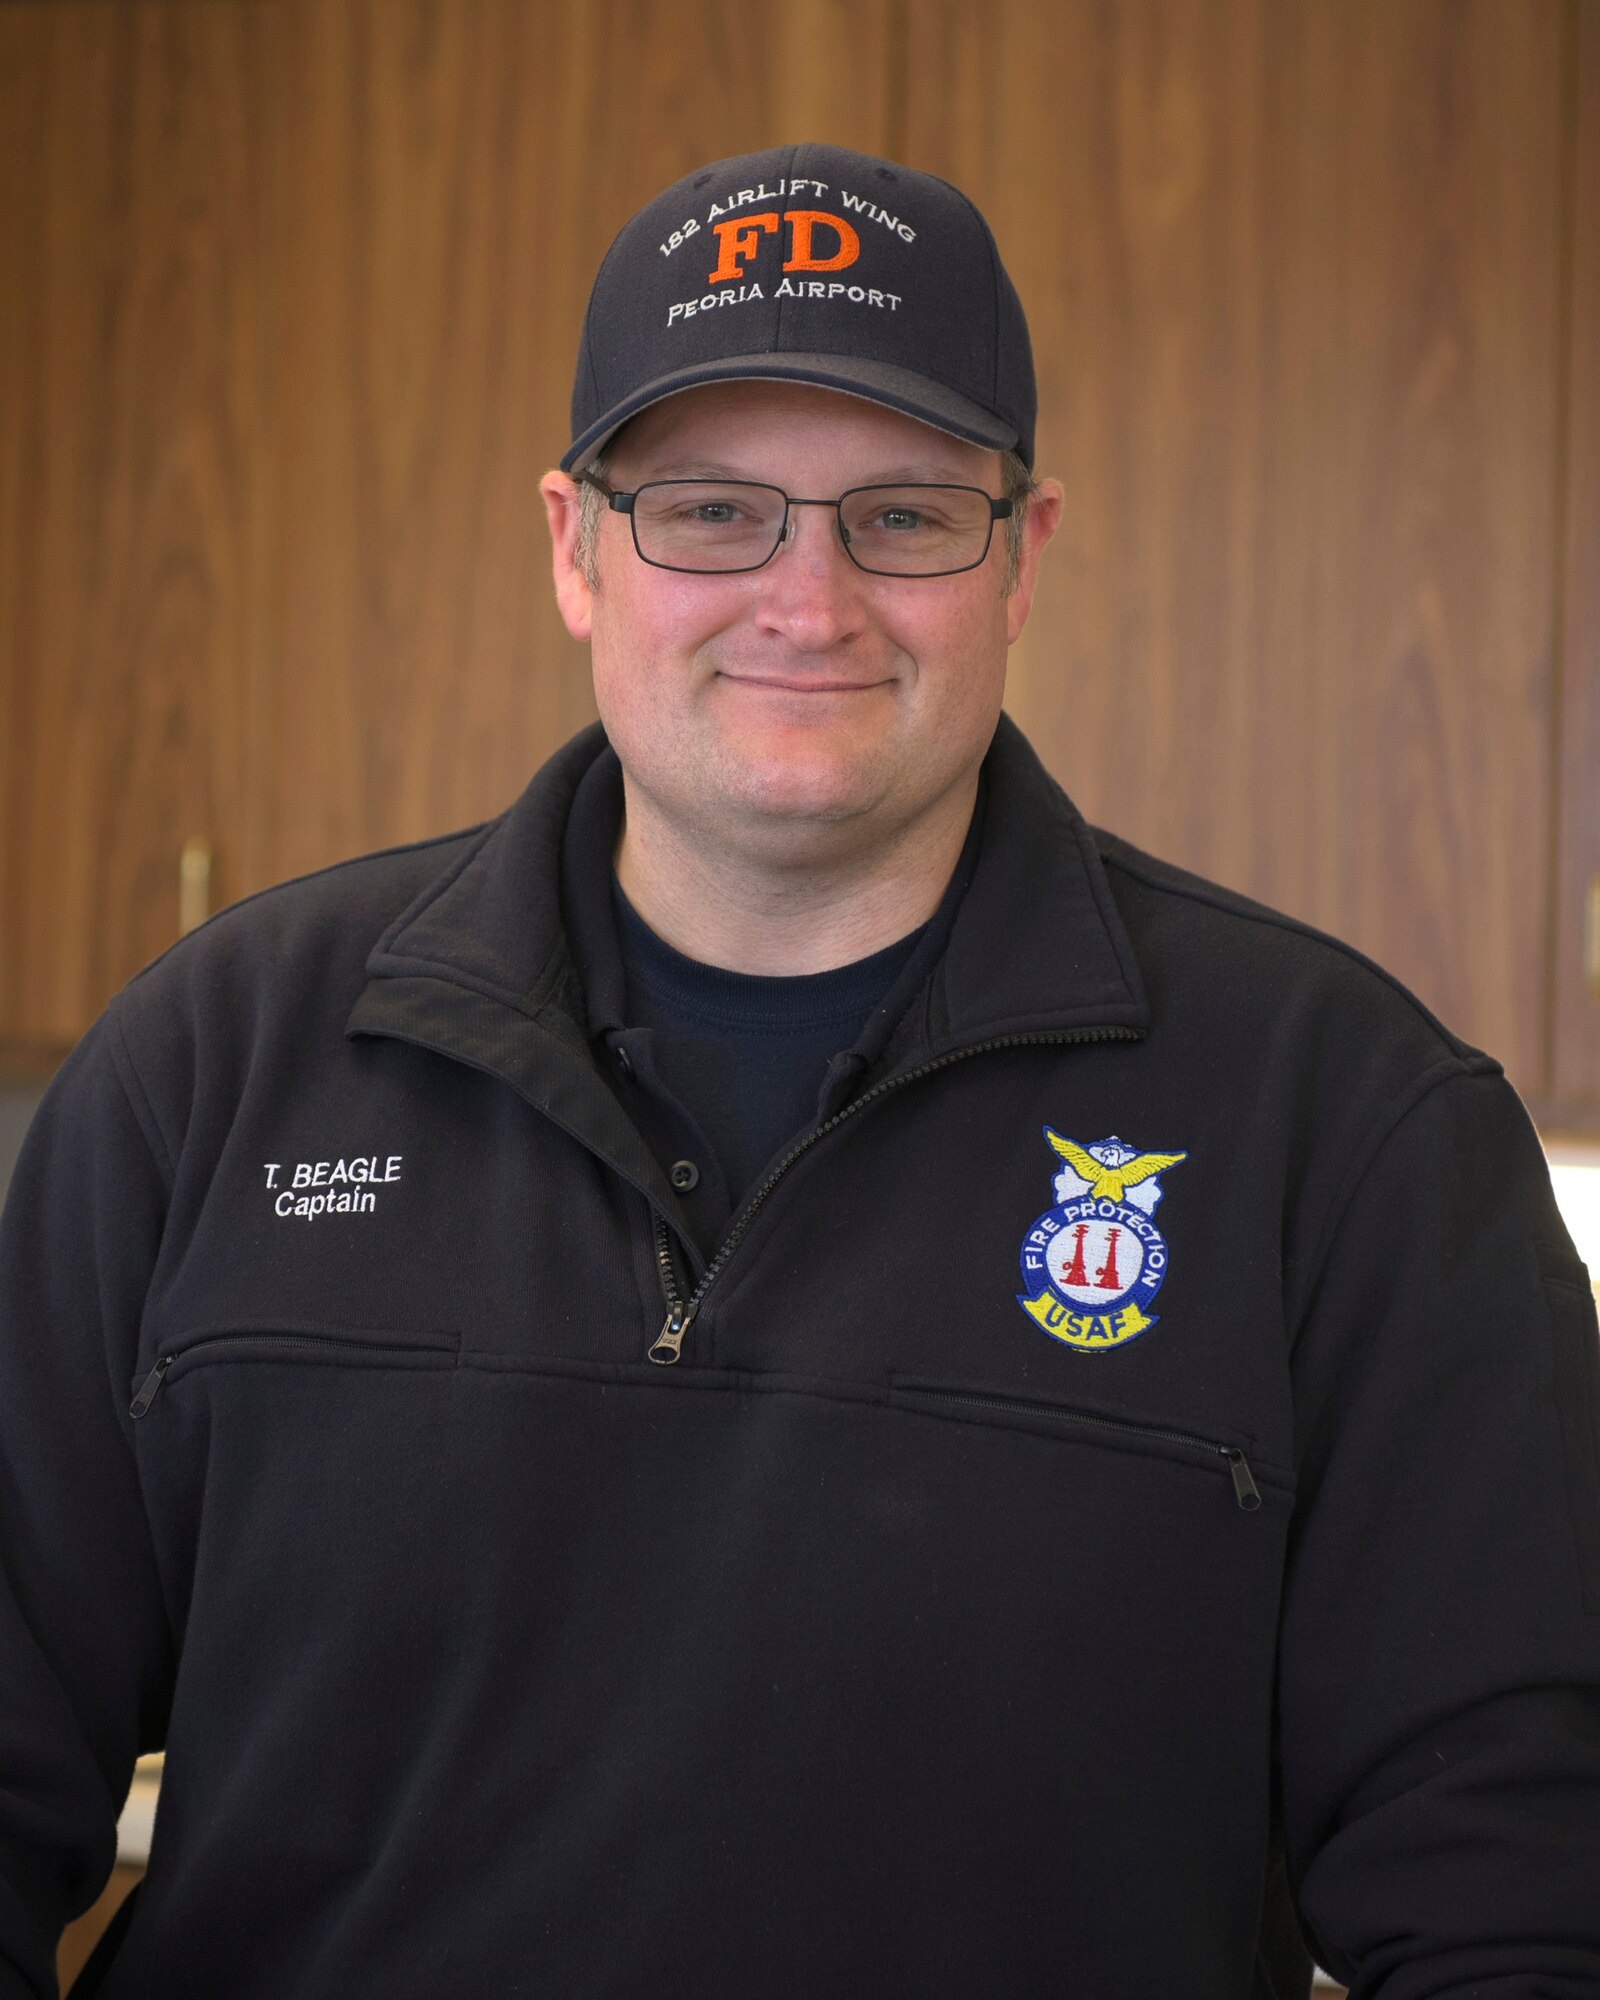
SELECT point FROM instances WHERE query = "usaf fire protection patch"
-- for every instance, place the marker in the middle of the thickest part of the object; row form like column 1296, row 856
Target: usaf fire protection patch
column 1094, row 1262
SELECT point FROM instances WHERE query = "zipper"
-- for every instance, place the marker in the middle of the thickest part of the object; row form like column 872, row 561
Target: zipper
column 1245, row 1490
column 150, row 1387
column 667, row 1346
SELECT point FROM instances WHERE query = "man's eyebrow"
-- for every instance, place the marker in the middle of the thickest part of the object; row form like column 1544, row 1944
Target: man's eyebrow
column 699, row 468
column 909, row 473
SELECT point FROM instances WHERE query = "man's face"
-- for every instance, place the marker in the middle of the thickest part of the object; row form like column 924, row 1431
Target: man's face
column 806, row 709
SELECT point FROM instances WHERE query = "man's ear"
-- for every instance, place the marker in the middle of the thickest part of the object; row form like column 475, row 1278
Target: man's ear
column 574, row 592
column 1044, row 517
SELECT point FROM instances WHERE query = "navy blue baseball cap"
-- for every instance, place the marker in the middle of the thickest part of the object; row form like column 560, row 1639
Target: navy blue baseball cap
column 809, row 264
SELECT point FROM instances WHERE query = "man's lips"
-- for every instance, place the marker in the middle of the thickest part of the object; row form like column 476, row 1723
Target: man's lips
column 802, row 683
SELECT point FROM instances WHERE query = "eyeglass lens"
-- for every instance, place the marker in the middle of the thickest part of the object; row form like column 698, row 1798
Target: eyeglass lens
column 697, row 524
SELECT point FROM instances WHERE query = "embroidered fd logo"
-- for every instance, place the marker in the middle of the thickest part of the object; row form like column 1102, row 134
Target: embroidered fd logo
column 1095, row 1261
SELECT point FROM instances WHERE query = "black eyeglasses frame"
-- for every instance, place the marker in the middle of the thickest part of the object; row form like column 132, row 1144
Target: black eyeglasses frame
column 623, row 503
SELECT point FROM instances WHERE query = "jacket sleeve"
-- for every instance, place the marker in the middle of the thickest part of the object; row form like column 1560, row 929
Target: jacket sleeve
column 85, row 1650
column 1439, row 1674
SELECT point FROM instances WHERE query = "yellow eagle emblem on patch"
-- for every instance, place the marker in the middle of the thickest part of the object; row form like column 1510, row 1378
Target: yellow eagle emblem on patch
column 1110, row 1183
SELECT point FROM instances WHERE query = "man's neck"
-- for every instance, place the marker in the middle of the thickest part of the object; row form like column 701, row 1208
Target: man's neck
column 751, row 912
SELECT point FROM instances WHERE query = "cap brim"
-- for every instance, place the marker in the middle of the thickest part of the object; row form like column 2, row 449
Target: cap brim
column 876, row 381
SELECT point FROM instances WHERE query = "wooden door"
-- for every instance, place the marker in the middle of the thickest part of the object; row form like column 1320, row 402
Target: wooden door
column 1296, row 282
column 1575, row 976
column 135, row 489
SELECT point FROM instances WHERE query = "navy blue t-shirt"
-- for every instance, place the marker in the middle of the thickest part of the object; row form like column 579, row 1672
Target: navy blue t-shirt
column 744, row 1053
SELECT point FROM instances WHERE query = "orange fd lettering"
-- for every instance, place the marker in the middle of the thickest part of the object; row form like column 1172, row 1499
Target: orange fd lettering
column 738, row 241
column 801, row 258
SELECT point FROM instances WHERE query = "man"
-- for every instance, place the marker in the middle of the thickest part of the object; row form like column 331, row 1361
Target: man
column 784, row 1371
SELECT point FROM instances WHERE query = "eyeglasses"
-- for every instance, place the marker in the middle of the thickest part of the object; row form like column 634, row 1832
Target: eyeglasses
column 720, row 527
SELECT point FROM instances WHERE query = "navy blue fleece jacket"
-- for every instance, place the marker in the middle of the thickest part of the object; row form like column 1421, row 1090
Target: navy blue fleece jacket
column 1131, row 1473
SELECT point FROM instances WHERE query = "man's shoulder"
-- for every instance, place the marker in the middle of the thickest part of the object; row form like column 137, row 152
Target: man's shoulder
column 1231, row 973
column 298, row 947
column 284, row 968
column 1209, row 946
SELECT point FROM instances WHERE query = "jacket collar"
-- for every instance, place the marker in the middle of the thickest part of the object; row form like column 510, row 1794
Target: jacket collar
column 587, row 899
column 1035, row 943
column 480, row 966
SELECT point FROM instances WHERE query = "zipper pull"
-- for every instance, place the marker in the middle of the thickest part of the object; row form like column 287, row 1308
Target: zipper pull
column 669, row 1341
column 149, row 1387
column 1249, row 1494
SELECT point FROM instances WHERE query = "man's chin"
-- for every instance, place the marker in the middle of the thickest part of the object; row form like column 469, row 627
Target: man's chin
column 782, row 780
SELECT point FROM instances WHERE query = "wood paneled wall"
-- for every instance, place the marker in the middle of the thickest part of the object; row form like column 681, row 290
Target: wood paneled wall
column 291, row 296
column 135, row 467
column 1574, row 993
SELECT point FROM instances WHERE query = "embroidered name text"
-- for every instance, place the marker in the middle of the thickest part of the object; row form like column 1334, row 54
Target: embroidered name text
column 342, row 1187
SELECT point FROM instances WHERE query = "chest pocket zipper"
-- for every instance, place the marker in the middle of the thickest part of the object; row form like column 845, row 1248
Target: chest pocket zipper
column 262, row 1346
column 1245, row 1490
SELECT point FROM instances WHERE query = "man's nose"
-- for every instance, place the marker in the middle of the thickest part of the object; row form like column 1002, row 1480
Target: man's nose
column 811, row 590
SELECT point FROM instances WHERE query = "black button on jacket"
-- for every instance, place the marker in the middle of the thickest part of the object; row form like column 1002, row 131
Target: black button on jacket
column 916, row 1621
